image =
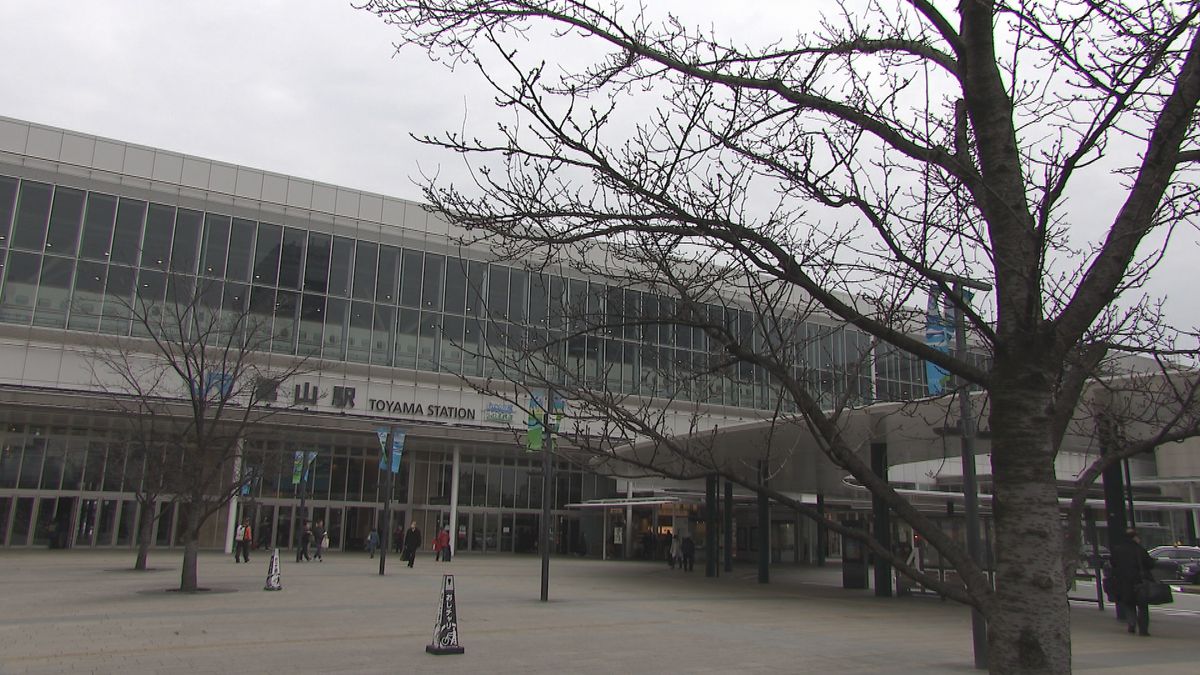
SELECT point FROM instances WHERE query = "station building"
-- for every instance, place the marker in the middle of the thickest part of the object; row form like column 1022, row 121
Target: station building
column 375, row 292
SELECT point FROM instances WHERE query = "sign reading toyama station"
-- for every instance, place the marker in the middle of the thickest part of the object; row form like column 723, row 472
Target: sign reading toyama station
column 347, row 399
column 414, row 409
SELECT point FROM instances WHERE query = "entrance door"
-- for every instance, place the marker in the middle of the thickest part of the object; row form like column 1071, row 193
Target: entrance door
column 484, row 531
column 359, row 521
column 89, row 514
column 526, row 528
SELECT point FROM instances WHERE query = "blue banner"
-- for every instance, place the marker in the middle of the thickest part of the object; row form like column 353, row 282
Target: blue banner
column 398, row 435
column 938, row 330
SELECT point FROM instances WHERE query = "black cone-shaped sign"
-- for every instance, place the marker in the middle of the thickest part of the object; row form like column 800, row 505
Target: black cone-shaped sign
column 445, row 631
column 273, row 580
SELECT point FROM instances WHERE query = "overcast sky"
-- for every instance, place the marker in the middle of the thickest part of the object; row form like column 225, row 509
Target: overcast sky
column 305, row 87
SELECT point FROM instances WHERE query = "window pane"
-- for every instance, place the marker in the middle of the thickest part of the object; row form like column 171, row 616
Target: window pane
column 266, row 253
column 451, row 344
column 261, row 311
column 89, row 296
column 410, row 281
column 284, row 335
column 518, row 292
column 312, row 320
column 383, row 335
column 130, row 216
column 406, row 338
column 98, row 226
column 20, row 287
column 476, row 283
column 431, row 288
column 292, row 258
column 241, row 250
column 339, row 266
column 358, row 338
column 539, row 289
column 118, row 297
column 33, row 209
column 54, row 293
column 215, row 246
column 365, row 257
column 497, row 291
column 456, row 285
column 150, row 302
column 235, row 303
column 8, row 198
column 335, row 329
column 316, row 266
column 427, row 343
column 184, row 253
column 65, row 217
column 156, row 242
column 389, row 273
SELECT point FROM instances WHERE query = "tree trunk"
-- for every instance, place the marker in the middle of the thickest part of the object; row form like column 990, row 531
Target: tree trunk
column 1029, row 625
column 145, row 532
column 188, row 577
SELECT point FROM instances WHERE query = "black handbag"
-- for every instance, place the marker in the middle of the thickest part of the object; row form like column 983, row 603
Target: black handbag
column 1154, row 593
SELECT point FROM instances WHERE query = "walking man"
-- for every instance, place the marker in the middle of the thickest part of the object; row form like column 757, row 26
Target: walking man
column 412, row 542
column 1131, row 566
column 304, row 543
column 319, row 539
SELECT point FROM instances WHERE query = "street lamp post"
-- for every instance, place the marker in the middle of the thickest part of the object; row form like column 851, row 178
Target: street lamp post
column 970, row 486
column 386, row 520
column 547, row 491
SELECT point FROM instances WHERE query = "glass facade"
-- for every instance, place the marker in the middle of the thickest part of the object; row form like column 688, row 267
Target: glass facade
column 77, row 259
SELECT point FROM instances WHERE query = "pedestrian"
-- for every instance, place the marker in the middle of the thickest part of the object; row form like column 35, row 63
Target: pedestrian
column 1131, row 565
column 675, row 552
column 304, row 543
column 264, row 534
column 320, row 540
column 441, row 545
column 688, row 550
column 398, row 538
column 243, row 539
column 412, row 542
column 372, row 541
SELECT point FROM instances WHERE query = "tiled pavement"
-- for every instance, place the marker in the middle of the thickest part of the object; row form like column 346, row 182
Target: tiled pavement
column 79, row 611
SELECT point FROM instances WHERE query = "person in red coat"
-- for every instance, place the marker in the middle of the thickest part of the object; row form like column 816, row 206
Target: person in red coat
column 441, row 545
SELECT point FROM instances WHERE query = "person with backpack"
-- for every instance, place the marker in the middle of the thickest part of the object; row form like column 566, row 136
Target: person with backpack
column 242, row 540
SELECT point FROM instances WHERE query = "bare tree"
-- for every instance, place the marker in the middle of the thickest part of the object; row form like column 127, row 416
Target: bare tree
column 193, row 383
column 898, row 141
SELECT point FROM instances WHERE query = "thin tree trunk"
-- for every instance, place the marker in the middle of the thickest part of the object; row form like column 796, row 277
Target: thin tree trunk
column 1029, row 625
column 145, row 530
column 188, row 577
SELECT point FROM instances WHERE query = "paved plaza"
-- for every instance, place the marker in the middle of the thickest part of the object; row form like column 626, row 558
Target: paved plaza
column 83, row 611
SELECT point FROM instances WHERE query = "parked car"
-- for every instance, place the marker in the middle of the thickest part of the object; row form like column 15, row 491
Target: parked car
column 1177, row 562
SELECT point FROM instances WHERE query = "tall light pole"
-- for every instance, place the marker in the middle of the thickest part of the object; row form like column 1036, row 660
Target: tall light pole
column 970, row 486
column 547, row 491
column 385, row 467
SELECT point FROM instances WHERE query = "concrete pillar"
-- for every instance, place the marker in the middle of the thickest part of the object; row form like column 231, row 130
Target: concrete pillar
column 882, row 524
column 728, row 526
column 710, row 525
column 454, row 502
column 627, row 547
column 821, row 536
column 231, row 519
column 764, row 528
